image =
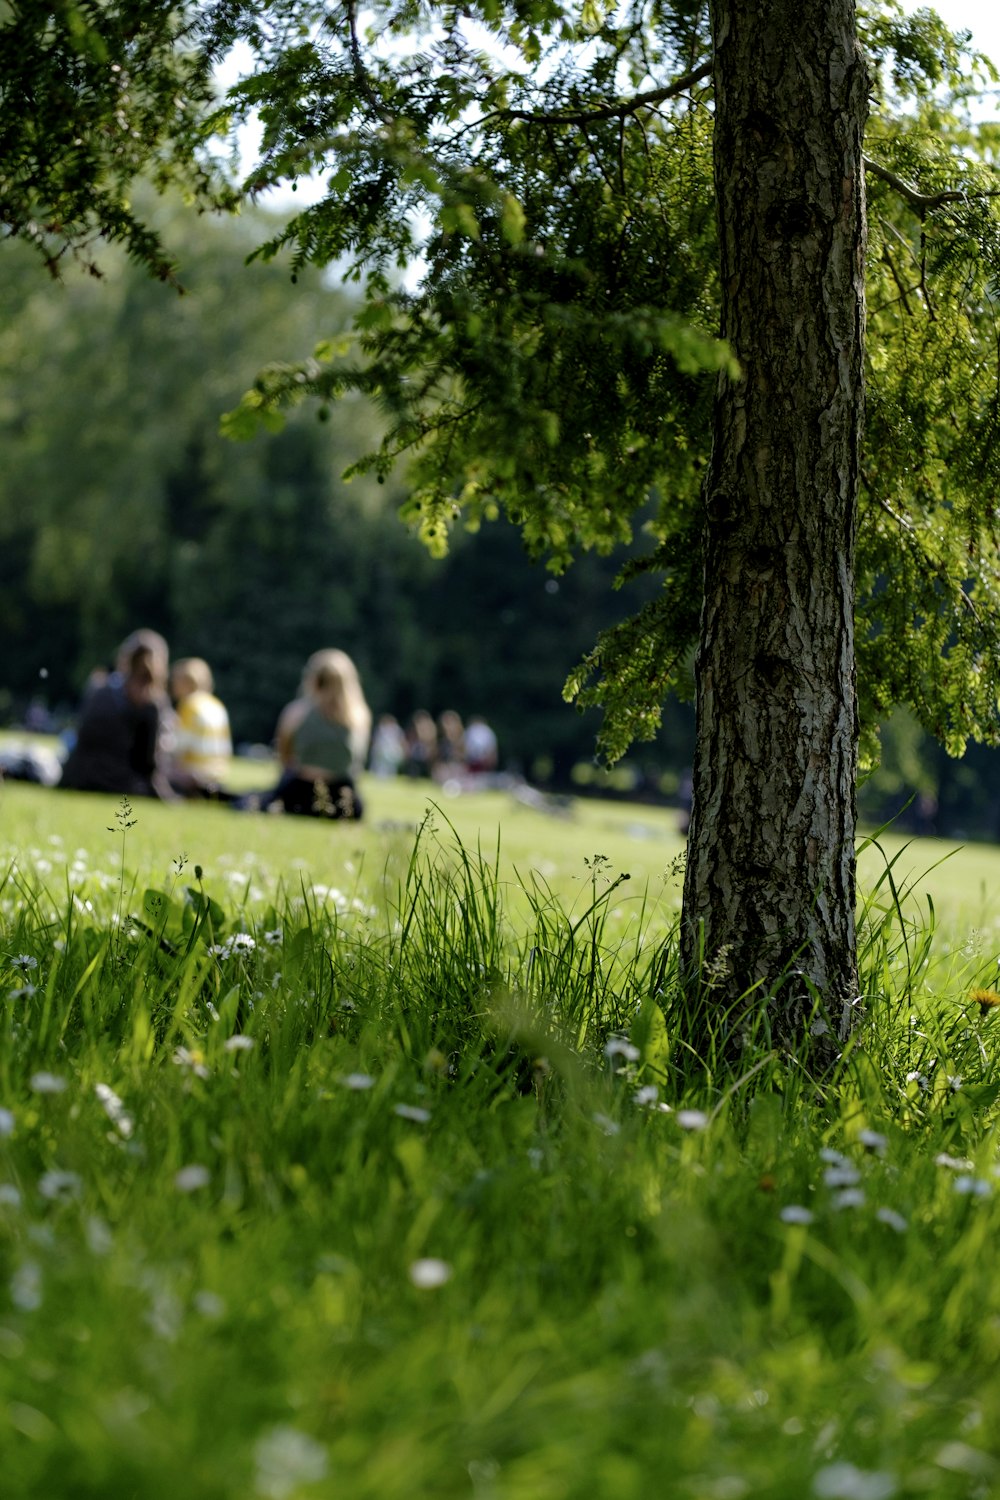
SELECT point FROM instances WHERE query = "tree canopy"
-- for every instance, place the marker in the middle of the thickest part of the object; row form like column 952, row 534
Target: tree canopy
column 95, row 94
column 548, row 169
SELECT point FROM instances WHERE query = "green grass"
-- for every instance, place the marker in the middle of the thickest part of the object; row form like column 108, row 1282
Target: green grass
column 364, row 1164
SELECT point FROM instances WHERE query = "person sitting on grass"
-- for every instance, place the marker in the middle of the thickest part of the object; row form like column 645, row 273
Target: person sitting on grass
column 119, row 744
column 322, row 741
column 203, row 745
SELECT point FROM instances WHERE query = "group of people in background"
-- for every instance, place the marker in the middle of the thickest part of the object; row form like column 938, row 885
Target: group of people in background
column 149, row 729
column 446, row 749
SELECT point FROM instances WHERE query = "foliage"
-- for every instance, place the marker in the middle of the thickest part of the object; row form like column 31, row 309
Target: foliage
column 120, row 504
column 545, row 172
column 392, row 1189
column 92, row 96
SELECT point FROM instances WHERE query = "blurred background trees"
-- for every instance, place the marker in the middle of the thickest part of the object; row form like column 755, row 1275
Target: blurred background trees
column 120, row 504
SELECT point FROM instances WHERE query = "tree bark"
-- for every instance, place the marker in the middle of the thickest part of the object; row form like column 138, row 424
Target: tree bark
column 770, row 882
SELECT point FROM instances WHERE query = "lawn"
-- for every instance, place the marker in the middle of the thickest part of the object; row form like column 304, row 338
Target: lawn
column 361, row 1161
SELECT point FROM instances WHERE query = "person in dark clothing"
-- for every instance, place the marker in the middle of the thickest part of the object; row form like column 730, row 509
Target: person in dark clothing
column 118, row 740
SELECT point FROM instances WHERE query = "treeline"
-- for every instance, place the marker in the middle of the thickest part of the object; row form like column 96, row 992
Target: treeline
column 121, row 504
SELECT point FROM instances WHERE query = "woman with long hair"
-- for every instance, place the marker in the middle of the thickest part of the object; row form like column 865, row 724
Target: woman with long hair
column 322, row 740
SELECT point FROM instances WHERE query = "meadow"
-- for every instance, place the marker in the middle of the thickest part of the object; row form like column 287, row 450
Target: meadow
column 363, row 1161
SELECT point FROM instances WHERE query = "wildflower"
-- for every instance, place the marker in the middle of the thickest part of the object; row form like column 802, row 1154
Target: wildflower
column 429, row 1273
column 192, row 1060
column 114, row 1109
column 892, row 1218
column 47, row 1083
column 841, row 1176
column 240, row 944
column 23, row 992
column 190, row 1179
column 985, row 999
column 99, row 1237
column 795, row 1213
column 274, row 938
column 286, row 1460
column 57, row 1186
column 953, row 1163
column 24, row 962
column 834, row 1158
column 210, row 1305
column 973, row 1187
column 6, row 1123
column 26, row 1287
column 872, row 1141
column 849, row 1197
column 648, row 1094
column 9, row 1195
column 691, row 1119
column 603, row 1123
column 844, row 1481
column 412, row 1112
column 619, row 1046
column 239, row 1043
column 920, row 1079
column 358, row 1081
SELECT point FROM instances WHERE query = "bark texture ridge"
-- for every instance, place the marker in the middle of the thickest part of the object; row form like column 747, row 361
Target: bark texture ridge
column 770, row 881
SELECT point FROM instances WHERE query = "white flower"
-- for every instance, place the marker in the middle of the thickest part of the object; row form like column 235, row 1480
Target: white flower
column 24, row 962
column 691, row 1119
column 849, row 1197
column 238, row 943
column 23, row 992
column 6, row 1123
column 892, row 1218
column 358, row 1081
column 872, row 1141
column 620, row 1046
column 794, row 1213
column 47, row 1083
column 26, row 1286
column 191, row 1061
column 239, row 1043
column 835, row 1158
column 274, row 938
column 285, row 1460
column 846, row 1482
column 209, row 1304
column 190, row 1179
column 603, row 1123
column 114, row 1109
column 842, row 1176
column 973, row 1187
column 648, row 1094
column 412, row 1112
column 9, row 1196
column 56, row 1185
column 953, row 1163
column 429, row 1273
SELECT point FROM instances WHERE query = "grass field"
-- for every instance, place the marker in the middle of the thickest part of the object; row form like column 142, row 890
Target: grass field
column 360, row 1161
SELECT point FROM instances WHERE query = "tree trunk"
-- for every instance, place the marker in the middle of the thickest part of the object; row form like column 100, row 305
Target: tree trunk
column 769, row 888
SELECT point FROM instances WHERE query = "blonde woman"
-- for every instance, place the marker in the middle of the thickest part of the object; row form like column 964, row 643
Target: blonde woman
column 322, row 740
column 203, row 744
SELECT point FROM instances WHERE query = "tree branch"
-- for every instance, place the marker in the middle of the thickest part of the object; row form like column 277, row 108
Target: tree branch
column 923, row 201
column 611, row 111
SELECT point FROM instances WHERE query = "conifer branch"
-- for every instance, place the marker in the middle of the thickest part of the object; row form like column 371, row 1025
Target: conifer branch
column 617, row 110
column 922, row 202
